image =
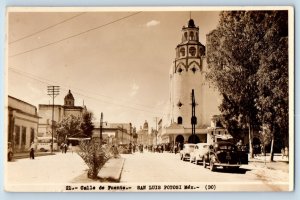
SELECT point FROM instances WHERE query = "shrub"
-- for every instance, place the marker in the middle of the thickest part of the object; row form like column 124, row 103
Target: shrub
column 94, row 156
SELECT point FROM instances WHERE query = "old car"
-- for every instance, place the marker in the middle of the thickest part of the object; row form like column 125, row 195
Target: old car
column 200, row 150
column 10, row 153
column 226, row 155
column 185, row 153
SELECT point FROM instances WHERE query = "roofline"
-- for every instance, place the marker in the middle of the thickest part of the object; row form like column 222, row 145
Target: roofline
column 22, row 101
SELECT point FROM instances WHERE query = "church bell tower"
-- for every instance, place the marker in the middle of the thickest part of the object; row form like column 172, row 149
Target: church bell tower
column 187, row 75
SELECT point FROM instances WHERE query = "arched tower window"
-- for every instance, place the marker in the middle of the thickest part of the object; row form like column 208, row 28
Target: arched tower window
column 185, row 36
column 179, row 120
column 192, row 51
column 182, row 52
column 191, row 35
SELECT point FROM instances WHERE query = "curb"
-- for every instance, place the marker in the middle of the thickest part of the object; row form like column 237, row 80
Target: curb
column 112, row 170
column 36, row 155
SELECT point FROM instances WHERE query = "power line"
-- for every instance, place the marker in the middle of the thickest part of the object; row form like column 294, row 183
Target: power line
column 79, row 93
column 47, row 81
column 72, row 36
column 47, row 28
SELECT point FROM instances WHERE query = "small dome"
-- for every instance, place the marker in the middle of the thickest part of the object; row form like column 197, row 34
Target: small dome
column 69, row 95
column 191, row 24
column 145, row 125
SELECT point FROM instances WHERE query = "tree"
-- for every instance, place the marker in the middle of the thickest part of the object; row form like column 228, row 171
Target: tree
column 87, row 125
column 272, row 77
column 233, row 61
column 247, row 55
column 69, row 126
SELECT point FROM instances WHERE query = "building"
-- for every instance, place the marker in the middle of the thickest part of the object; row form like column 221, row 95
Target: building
column 114, row 133
column 143, row 136
column 60, row 111
column 22, row 124
column 186, row 75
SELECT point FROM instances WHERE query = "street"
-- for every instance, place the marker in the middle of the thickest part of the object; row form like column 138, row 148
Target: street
column 144, row 168
column 167, row 167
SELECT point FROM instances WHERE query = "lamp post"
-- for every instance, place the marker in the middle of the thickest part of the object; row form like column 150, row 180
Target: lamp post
column 101, row 127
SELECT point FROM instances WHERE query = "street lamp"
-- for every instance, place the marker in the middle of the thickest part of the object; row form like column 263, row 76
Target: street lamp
column 101, row 124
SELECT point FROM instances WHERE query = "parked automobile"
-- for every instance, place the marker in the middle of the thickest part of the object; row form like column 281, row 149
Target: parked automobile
column 10, row 153
column 200, row 150
column 185, row 153
column 224, row 154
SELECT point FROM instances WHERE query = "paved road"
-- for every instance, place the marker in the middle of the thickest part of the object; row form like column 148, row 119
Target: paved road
column 166, row 167
column 139, row 168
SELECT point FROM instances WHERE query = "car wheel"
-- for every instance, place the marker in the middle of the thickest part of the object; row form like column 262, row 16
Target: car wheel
column 212, row 166
column 204, row 163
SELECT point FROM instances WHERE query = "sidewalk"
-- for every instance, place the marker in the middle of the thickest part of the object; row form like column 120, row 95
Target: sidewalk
column 112, row 170
column 36, row 154
column 279, row 163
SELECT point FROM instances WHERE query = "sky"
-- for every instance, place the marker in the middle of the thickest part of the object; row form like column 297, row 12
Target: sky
column 117, row 63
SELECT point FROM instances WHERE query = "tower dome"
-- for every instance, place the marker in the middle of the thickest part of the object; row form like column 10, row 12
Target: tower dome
column 191, row 24
column 69, row 99
column 145, row 127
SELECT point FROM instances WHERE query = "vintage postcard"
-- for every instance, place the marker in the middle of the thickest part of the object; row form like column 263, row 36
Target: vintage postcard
column 164, row 99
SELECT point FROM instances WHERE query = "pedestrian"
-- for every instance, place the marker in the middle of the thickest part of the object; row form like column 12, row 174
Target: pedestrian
column 70, row 147
column 286, row 152
column 31, row 154
column 65, row 148
column 62, row 147
column 239, row 145
column 262, row 150
column 130, row 147
column 282, row 153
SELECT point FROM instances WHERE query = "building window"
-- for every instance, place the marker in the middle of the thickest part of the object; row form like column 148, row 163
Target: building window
column 31, row 135
column 179, row 104
column 179, row 120
column 203, row 138
column 192, row 36
column 194, row 69
column 17, row 136
column 185, row 36
column 192, row 51
column 180, row 70
column 23, row 141
column 182, row 52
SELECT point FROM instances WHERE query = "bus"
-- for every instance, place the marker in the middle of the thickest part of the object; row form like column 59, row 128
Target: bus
column 44, row 144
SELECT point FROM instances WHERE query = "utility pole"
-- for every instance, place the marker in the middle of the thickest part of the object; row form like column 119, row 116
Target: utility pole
column 53, row 91
column 122, row 133
column 193, row 119
column 156, row 131
column 130, row 132
column 100, row 136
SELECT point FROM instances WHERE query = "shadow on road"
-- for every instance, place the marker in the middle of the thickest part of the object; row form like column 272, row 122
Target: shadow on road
column 232, row 171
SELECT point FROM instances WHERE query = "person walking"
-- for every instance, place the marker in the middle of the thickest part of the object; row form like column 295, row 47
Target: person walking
column 70, row 148
column 31, row 154
column 65, row 148
column 62, row 147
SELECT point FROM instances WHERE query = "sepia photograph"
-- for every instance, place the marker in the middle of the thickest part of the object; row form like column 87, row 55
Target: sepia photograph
column 149, row 99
